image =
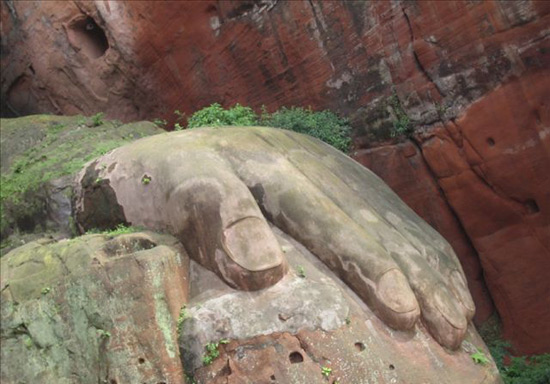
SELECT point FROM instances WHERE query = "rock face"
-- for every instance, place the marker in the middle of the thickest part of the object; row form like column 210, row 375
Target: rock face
column 40, row 156
column 310, row 328
column 452, row 70
column 93, row 309
column 217, row 188
column 108, row 309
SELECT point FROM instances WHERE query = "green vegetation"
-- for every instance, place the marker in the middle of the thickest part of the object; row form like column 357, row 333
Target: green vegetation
column 301, row 271
column 97, row 119
column 479, row 357
column 179, row 119
column 46, row 290
column 161, row 123
column 181, row 318
column 120, row 229
column 103, row 334
column 145, row 180
column 326, row 371
column 323, row 125
column 517, row 370
column 402, row 124
column 212, row 351
column 40, row 149
column 216, row 116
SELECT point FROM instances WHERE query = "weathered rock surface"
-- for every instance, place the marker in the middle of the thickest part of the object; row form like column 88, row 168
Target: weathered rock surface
column 97, row 308
column 309, row 321
column 214, row 189
column 438, row 57
column 40, row 156
column 488, row 164
column 93, row 309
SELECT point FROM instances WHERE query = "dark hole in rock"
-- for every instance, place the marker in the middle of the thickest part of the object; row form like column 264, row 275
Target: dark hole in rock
column 295, row 357
column 26, row 223
column 491, row 141
column 360, row 346
column 392, row 367
column 141, row 360
column 20, row 99
column 537, row 116
column 86, row 35
column 212, row 10
column 31, row 68
column 531, row 206
column 113, row 381
column 272, row 377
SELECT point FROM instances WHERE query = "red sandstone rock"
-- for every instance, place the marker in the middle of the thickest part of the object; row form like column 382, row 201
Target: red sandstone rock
column 493, row 179
column 439, row 57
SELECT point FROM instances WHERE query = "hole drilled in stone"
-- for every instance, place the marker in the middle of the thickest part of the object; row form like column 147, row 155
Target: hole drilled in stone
column 491, row 142
column 272, row 377
column 360, row 346
column 85, row 35
column 392, row 367
column 141, row 360
column 531, row 206
column 295, row 357
column 113, row 381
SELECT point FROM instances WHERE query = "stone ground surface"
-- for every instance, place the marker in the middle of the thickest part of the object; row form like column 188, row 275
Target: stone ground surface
column 290, row 332
column 106, row 309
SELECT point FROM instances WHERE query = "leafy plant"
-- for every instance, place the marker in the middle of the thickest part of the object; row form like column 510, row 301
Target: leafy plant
column 212, row 351
column 97, row 119
column 161, row 123
column 46, row 290
column 402, row 123
column 120, row 229
column 326, row 371
column 533, row 369
column 180, row 117
column 324, row 125
column 145, row 180
column 479, row 357
column 216, row 116
column 103, row 334
column 301, row 271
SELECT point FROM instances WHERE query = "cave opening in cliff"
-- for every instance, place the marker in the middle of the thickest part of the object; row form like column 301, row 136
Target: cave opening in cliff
column 88, row 37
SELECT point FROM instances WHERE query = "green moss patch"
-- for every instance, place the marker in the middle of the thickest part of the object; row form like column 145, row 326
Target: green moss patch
column 40, row 149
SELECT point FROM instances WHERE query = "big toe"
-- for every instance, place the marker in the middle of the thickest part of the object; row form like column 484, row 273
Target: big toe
column 253, row 257
column 397, row 304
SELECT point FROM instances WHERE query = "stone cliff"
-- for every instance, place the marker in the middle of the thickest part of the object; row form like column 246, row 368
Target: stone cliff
column 466, row 81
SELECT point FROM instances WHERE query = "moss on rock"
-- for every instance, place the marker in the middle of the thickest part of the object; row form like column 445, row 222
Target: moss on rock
column 38, row 150
column 96, row 308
